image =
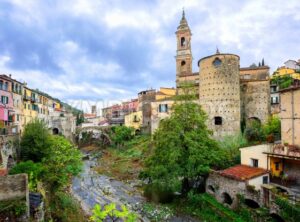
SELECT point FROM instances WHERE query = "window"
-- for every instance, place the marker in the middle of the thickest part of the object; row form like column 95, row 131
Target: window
column 182, row 63
column 265, row 180
column 163, row 108
column 218, row 120
column 182, row 42
column 217, row 62
column 254, row 162
column 6, row 86
column 277, row 166
column 273, row 89
column 4, row 99
column 1, row 84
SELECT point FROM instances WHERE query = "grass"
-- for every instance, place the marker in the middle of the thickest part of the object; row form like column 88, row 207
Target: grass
column 125, row 163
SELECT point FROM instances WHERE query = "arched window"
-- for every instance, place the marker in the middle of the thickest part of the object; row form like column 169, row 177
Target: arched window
column 182, row 42
column 227, row 198
column 183, row 63
column 217, row 62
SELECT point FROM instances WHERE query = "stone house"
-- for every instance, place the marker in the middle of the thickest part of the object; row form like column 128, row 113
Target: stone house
column 244, row 180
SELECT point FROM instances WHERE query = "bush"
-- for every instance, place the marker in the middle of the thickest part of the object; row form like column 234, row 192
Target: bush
column 120, row 134
column 34, row 171
column 254, row 132
column 111, row 213
column 272, row 129
column 35, row 141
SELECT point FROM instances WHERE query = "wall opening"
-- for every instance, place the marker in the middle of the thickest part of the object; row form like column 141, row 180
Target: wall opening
column 251, row 203
column 182, row 42
column 218, row 120
column 227, row 198
column 211, row 189
column 217, row 62
column 183, row 63
column 55, row 131
column 276, row 218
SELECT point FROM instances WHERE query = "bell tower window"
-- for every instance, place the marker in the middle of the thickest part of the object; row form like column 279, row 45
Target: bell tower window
column 183, row 63
column 182, row 42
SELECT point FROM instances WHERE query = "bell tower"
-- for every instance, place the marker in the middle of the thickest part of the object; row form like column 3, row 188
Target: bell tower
column 184, row 53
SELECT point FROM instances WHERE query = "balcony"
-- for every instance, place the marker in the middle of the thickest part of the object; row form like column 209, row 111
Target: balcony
column 27, row 98
column 284, row 151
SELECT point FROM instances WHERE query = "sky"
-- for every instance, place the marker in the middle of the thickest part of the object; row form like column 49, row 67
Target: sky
column 104, row 51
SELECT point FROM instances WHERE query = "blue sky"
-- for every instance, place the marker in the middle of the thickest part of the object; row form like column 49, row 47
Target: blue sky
column 109, row 50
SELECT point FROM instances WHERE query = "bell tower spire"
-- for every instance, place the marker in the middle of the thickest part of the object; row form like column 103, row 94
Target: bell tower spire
column 184, row 53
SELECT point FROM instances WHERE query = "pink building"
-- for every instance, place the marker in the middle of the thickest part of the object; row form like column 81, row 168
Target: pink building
column 6, row 101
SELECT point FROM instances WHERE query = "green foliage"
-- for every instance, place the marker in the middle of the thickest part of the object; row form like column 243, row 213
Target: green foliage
column 15, row 207
column 254, row 132
column 120, row 134
column 283, row 81
column 273, row 126
column 62, row 162
column 290, row 212
column 208, row 208
column 183, row 148
column 35, row 141
column 111, row 212
column 231, row 146
column 34, row 171
column 63, row 207
column 79, row 118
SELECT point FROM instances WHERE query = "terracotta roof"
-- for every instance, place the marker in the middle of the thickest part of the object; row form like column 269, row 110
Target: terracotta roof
column 88, row 115
column 255, row 68
column 242, row 172
column 3, row 172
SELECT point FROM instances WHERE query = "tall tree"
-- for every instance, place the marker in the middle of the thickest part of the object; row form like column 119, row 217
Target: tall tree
column 35, row 141
column 183, row 148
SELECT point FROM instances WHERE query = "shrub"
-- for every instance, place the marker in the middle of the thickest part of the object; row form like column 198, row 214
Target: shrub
column 35, row 141
column 111, row 213
column 34, row 171
column 254, row 132
column 120, row 134
column 272, row 128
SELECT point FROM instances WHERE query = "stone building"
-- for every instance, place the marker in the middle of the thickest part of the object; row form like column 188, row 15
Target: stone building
column 145, row 98
column 230, row 95
column 290, row 115
column 219, row 92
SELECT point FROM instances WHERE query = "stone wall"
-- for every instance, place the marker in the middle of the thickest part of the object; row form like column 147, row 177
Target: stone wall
column 14, row 187
column 219, row 93
column 255, row 100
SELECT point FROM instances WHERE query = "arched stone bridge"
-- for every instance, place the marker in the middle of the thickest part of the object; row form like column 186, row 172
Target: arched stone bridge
column 99, row 133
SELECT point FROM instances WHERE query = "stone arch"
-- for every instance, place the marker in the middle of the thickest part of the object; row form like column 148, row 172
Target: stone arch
column 55, row 131
column 226, row 198
column 254, row 119
column 251, row 203
column 277, row 218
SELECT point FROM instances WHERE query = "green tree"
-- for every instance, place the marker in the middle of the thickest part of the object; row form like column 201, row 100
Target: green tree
column 120, row 134
column 35, row 141
column 183, row 148
column 272, row 127
column 62, row 162
column 79, row 118
column 111, row 212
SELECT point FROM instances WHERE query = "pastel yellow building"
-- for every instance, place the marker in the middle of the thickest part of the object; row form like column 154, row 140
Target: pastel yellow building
column 165, row 93
column 134, row 120
column 30, row 107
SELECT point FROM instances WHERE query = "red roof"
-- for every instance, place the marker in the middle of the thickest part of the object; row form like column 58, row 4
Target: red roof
column 3, row 172
column 242, row 172
column 89, row 115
